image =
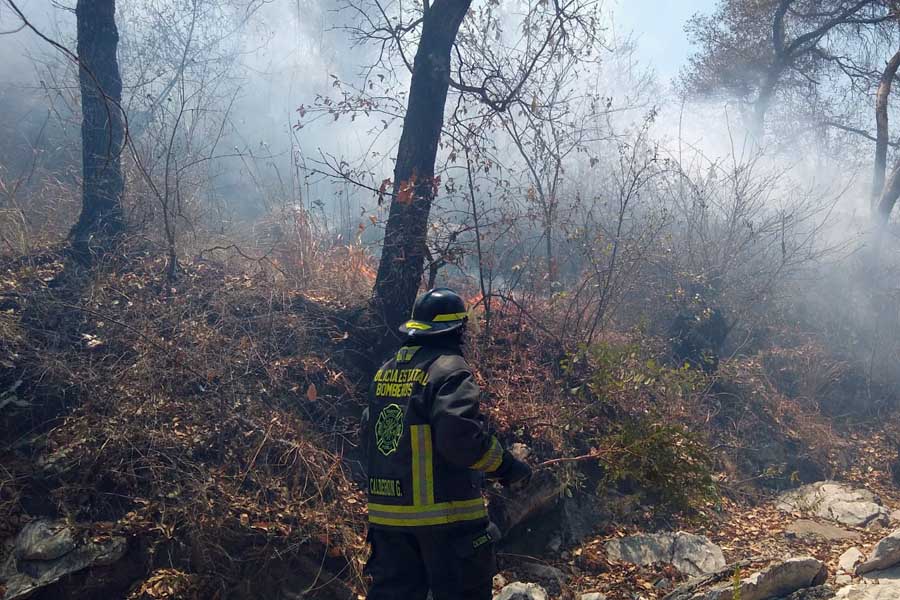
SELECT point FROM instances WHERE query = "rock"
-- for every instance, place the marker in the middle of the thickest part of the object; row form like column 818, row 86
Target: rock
column 580, row 516
column 593, row 596
column 691, row 554
column 836, row 502
column 881, row 585
column 895, row 516
column 44, row 540
column 805, row 529
column 885, row 554
column 541, row 571
column 23, row 577
column 820, row 592
column 780, row 579
column 843, row 579
column 849, row 559
column 568, row 523
column 553, row 577
column 522, row 591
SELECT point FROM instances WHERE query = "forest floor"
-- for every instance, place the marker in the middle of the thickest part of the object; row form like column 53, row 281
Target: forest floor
column 212, row 423
column 752, row 530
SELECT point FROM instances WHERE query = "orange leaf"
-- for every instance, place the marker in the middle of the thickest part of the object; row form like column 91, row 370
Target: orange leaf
column 405, row 193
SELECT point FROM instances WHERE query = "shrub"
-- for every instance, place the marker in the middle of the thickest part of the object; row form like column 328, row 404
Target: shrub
column 667, row 463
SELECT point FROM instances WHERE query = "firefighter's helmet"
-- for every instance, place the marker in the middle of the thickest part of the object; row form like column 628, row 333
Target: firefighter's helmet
column 436, row 312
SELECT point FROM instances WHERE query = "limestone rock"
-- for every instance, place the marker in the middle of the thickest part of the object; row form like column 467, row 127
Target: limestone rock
column 23, row 576
column 882, row 585
column 691, row 554
column 849, row 559
column 522, row 591
column 836, row 502
column 820, row 592
column 44, row 540
column 885, row 554
column 593, row 596
column 781, row 579
column 805, row 529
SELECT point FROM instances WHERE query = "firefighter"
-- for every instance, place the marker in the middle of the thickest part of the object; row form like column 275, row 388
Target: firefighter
column 428, row 451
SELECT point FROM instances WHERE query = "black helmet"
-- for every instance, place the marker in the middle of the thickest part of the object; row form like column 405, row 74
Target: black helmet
column 436, row 312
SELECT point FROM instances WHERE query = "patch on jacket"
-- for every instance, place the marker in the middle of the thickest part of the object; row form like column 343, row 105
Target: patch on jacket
column 389, row 429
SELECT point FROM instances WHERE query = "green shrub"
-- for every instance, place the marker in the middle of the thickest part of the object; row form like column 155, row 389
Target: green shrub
column 642, row 402
column 667, row 463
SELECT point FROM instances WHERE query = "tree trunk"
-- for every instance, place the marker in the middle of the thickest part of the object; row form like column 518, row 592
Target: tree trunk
column 881, row 120
column 764, row 100
column 400, row 269
column 102, row 126
column 888, row 197
column 767, row 89
column 548, row 241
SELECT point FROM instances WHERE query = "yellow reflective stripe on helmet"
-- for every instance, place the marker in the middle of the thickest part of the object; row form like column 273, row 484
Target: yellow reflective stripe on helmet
column 431, row 514
column 450, row 317
column 422, row 465
column 417, row 325
column 491, row 460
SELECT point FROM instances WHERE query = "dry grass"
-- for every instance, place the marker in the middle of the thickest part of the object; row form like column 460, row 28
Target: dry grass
column 207, row 418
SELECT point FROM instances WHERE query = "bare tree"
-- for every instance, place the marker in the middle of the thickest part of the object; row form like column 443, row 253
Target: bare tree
column 881, row 120
column 755, row 50
column 490, row 75
column 400, row 269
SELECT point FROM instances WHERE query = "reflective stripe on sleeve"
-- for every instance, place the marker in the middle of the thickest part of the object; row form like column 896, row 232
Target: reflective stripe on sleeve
column 491, row 460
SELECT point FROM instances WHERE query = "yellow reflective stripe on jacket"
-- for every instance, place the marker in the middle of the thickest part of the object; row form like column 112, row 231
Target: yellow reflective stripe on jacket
column 491, row 460
column 431, row 514
column 422, row 465
column 417, row 325
column 449, row 317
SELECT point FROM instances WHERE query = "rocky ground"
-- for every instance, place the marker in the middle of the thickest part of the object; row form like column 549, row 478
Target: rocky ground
column 823, row 540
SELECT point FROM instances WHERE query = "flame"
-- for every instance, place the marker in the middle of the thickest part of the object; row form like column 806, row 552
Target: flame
column 472, row 301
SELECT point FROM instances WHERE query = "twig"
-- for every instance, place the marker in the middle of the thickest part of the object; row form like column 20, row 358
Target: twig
column 573, row 459
column 686, row 591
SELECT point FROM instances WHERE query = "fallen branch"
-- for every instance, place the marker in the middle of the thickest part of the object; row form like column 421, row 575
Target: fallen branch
column 687, row 590
column 592, row 455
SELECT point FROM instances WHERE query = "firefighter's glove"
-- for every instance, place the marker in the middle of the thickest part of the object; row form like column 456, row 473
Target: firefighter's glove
column 513, row 474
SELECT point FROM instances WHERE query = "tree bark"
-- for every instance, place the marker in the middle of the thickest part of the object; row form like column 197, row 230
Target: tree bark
column 888, row 197
column 881, row 121
column 773, row 73
column 102, row 127
column 763, row 101
column 402, row 258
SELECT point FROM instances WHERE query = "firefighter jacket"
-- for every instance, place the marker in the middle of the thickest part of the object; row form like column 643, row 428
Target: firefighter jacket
column 427, row 446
